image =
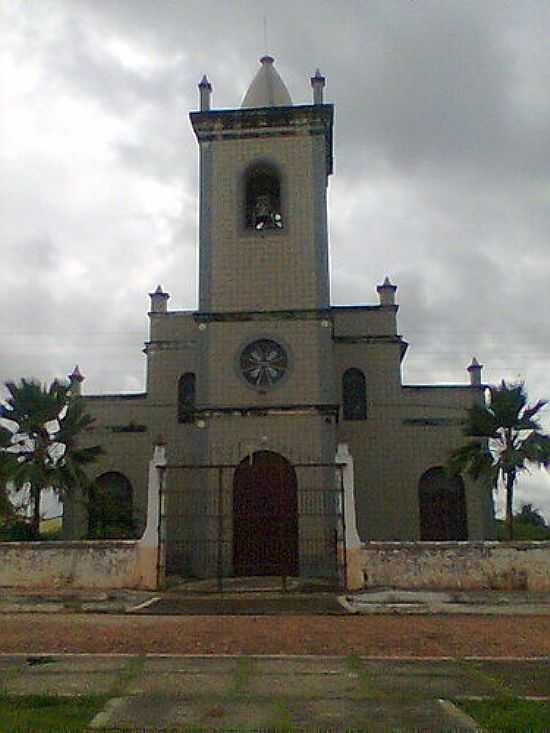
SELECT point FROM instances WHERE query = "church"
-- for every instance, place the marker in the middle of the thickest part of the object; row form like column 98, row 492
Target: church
column 254, row 391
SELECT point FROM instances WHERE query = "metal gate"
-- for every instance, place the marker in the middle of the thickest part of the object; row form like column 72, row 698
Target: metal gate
column 210, row 533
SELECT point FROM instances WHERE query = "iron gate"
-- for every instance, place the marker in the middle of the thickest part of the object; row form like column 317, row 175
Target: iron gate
column 209, row 535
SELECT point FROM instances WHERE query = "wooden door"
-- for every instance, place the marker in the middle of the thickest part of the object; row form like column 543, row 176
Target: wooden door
column 265, row 517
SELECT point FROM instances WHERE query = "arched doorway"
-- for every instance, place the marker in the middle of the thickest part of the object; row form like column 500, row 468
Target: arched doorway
column 110, row 508
column 442, row 506
column 265, row 516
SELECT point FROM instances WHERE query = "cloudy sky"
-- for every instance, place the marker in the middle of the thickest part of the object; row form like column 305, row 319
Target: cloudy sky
column 442, row 172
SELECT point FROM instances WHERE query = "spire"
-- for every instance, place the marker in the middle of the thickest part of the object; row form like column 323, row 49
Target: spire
column 318, row 84
column 75, row 382
column 205, row 91
column 267, row 88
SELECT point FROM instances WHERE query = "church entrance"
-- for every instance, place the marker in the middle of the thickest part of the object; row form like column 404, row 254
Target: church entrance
column 265, row 516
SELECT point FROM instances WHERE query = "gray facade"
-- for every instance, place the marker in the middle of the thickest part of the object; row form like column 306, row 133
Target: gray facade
column 270, row 357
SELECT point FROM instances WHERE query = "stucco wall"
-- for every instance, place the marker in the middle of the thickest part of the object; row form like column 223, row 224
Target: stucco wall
column 457, row 565
column 98, row 564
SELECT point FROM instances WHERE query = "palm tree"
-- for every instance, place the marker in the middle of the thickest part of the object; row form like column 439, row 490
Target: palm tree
column 39, row 446
column 6, row 509
column 506, row 440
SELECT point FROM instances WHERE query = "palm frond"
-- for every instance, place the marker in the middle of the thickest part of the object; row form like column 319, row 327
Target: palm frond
column 74, row 422
column 475, row 460
column 45, row 456
column 507, row 403
column 512, row 459
column 481, row 423
column 84, row 456
column 30, row 404
column 536, row 448
column 5, row 437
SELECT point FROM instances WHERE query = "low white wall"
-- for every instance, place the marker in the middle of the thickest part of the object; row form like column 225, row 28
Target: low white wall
column 98, row 564
column 456, row 565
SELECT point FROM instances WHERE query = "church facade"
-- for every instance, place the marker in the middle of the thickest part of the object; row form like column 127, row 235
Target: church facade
column 254, row 391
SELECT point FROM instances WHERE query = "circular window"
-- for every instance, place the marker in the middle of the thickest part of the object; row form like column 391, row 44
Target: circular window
column 263, row 363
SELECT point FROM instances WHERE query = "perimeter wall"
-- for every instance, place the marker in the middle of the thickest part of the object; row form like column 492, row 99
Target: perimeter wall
column 456, row 565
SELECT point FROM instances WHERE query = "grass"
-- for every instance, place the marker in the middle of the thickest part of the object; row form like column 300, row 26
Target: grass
column 18, row 529
column 523, row 531
column 282, row 719
column 501, row 690
column 127, row 675
column 243, row 673
column 40, row 713
column 509, row 715
column 51, row 528
column 54, row 713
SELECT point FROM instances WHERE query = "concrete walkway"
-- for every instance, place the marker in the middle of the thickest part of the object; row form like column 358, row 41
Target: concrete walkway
column 487, row 602
column 157, row 692
column 271, row 600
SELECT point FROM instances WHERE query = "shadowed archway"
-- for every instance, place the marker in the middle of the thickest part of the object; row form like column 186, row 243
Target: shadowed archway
column 110, row 512
column 265, row 516
column 442, row 506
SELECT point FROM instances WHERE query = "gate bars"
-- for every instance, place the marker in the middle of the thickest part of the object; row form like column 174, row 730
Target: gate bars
column 197, row 519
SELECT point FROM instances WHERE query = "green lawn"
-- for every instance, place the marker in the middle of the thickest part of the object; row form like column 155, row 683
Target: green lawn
column 42, row 713
column 509, row 715
column 523, row 531
column 51, row 528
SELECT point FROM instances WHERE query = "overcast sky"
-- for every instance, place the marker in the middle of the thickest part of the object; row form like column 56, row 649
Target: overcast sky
column 442, row 172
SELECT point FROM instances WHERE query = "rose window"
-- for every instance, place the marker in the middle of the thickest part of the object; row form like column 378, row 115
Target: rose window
column 263, row 363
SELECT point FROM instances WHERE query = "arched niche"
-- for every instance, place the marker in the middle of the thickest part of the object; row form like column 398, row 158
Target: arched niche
column 186, row 397
column 442, row 504
column 354, row 395
column 262, row 198
column 110, row 508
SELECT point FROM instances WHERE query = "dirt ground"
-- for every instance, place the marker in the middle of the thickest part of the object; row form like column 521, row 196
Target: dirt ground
column 505, row 636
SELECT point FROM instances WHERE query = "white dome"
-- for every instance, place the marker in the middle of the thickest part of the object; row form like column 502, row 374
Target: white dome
column 267, row 88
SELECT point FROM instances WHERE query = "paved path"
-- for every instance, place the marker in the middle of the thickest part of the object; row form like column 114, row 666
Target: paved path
column 270, row 600
column 439, row 648
column 265, row 692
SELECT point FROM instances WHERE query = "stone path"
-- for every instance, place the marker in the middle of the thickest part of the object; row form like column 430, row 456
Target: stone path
column 201, row 599
column 255, row 692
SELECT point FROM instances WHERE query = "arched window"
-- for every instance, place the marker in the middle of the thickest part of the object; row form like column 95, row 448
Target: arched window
column 110, row 508
column 442, row 505
column 263, row 198
column 186, row 397
column 354, row 395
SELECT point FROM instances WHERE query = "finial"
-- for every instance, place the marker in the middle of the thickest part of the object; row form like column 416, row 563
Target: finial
column 318, row 84
column 159, row 300
column 75, row 382
column 267, row 59
column 265, row 32
column 76, row 375
column 475, row 372
column 205, row 91
column 386, row 292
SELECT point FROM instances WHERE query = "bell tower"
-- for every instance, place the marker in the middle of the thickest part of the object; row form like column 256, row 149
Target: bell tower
column 263, row 208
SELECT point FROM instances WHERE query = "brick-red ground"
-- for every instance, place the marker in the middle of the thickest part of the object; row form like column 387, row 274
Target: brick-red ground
column 366, row 635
